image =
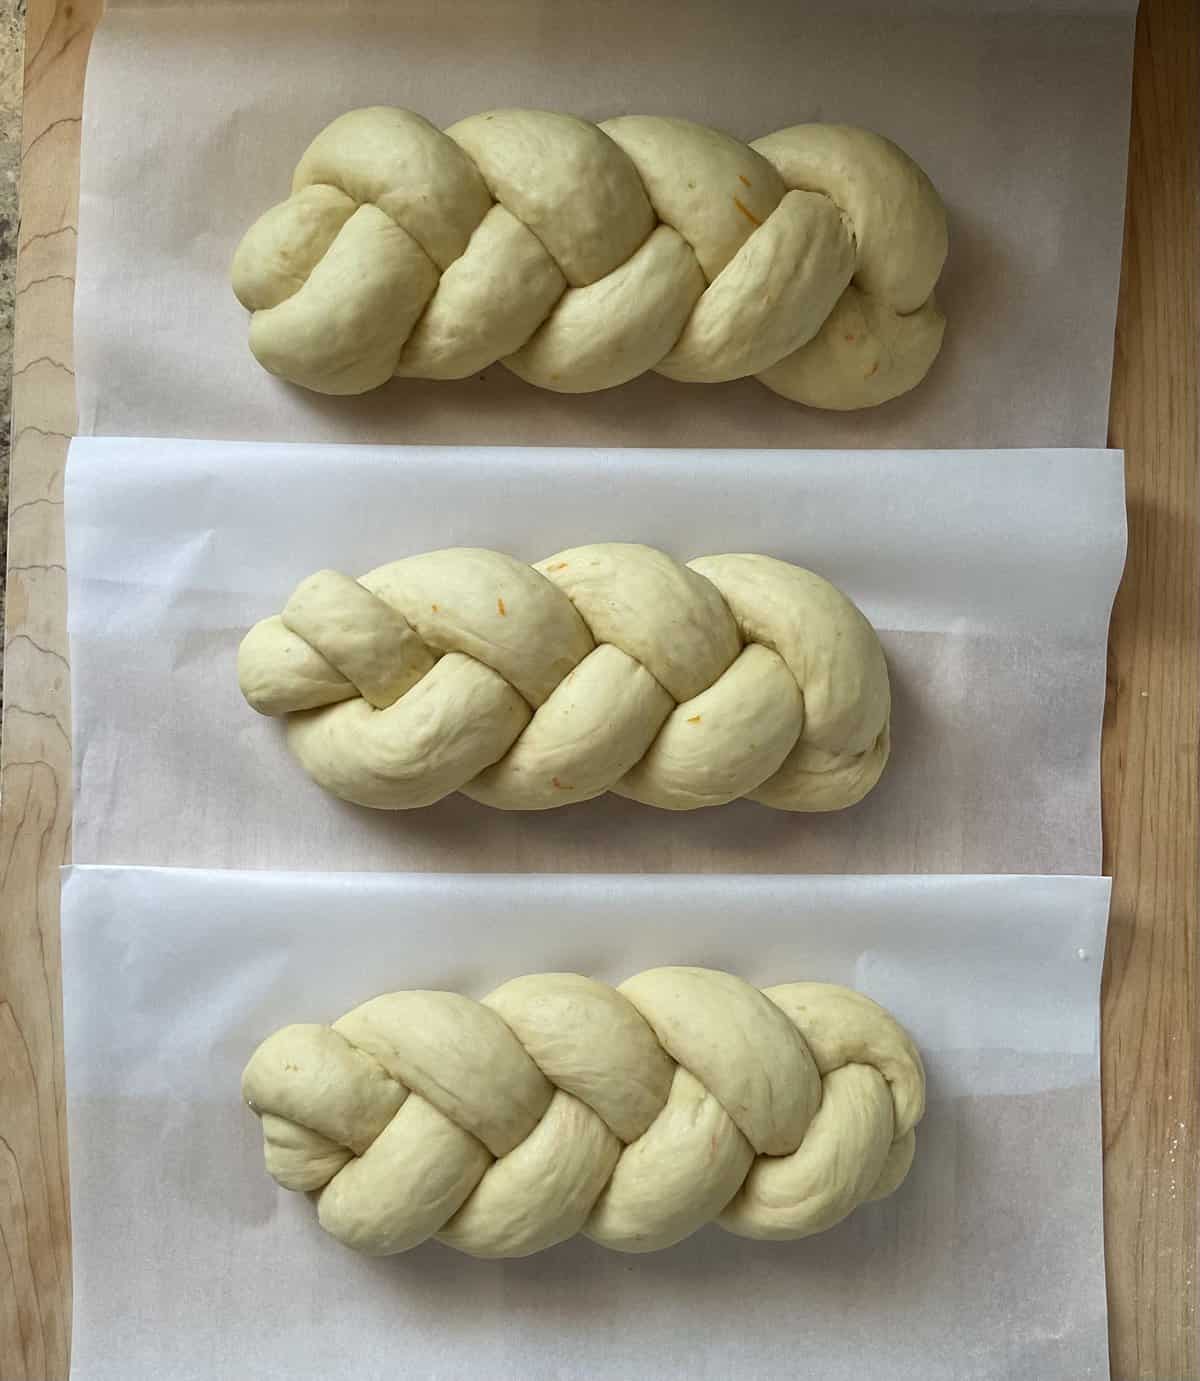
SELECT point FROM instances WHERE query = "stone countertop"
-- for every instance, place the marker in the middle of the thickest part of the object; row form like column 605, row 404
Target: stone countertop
column 12, row 53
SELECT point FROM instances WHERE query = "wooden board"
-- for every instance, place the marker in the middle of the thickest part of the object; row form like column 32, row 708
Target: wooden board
column 35, row 769
column 1150, row 1022
column 1151, row 1027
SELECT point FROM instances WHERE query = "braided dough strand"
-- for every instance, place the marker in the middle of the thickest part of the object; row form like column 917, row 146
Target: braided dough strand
column 608, row 667
column 580, row 256
column 560, row 1105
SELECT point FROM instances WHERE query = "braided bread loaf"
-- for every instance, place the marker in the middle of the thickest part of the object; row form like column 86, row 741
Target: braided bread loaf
column 581, row 256
column 603, row 668
column 559, row 1105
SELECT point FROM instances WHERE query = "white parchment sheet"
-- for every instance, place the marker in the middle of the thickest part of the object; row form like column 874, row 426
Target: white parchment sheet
column 195, row 116
column 989, row 576
column 191, row 1263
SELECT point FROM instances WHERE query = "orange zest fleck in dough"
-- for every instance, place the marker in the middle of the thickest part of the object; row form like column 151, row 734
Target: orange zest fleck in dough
column 695, row 719
column 874, row 369
column 558, row 566
column 743, row 179
column 500, row 609
column 562, row 786
column 745, row 210
column 434, row 608
column 849, row 337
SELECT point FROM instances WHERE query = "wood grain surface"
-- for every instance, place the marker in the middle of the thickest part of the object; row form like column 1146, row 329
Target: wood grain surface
column 1150, row 1050
column 1151, row 1028
column 35, row 771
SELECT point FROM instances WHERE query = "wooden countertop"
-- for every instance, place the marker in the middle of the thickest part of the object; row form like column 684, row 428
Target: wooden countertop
column 1151, row 1021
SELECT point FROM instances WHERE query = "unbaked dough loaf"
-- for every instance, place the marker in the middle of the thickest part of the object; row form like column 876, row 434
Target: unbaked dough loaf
column 560, row 1105
column 602, row 668
column 582, row 255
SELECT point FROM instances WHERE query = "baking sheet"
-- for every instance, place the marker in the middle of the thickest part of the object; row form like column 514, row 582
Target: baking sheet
column 196, row 114
column 989, row 575
column 190, row 1262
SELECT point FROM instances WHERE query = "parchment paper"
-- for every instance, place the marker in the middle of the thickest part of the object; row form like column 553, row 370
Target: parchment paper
column 989, row 575
column 195, row 116
column 190, row 1262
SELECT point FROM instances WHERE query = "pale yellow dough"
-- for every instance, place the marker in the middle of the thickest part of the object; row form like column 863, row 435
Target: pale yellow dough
column 604, row 668
column 560, row 1105
column 582, row 255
